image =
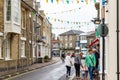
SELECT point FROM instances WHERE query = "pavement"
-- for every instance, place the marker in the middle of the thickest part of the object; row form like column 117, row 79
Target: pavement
column 31, row 68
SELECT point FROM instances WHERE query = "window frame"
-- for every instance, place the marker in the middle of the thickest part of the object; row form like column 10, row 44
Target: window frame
column 22, row 48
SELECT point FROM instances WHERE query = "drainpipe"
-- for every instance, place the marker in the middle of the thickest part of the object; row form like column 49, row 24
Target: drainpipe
column 117, row 39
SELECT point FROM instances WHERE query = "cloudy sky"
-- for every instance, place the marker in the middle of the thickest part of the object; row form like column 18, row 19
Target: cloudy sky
column 69, row 13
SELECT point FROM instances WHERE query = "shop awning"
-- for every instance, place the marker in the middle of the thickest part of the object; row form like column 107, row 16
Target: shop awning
column 94, row 42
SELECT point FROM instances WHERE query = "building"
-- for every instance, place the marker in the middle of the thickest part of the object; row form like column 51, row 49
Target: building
column 111, row 41
column 56, row 47
column 21, row 35
column 46, row 37
column 68, row 40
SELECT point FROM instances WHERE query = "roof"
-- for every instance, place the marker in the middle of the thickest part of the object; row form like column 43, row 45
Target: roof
column 72, row 32
column 91, row 33
column 83, row 34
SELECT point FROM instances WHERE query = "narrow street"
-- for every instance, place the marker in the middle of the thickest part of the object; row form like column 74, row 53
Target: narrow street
column 53, row 72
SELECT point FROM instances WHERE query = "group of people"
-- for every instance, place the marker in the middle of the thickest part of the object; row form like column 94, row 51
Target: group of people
column 90, row 63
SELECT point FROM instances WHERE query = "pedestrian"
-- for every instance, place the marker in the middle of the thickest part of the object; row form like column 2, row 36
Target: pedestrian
column 97, row 56
column 63, row 57
column 90, row 62
column 77, row 64
column 68, row 64
column 96, row 68
column 85, row 69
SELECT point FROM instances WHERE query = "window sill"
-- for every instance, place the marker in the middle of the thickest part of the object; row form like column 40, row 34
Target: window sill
column 23, row 56
column 1, row 58
column 7, row 59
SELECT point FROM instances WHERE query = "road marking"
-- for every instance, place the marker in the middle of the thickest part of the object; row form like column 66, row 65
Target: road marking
column 72, row 77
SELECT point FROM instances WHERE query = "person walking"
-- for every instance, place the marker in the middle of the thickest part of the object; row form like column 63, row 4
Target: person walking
column 97, row 56
column 68, row 64
column 63, row 57
column 90, row 62
column 77, row 63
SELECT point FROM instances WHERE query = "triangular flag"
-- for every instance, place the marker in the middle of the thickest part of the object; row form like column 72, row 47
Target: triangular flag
column 52, row 1
column 54, row 19
column 77, row 1
column 86, row 1
column 67, row 1
column 68, row 22
column 57, row 1
column 46, row 1
column 82, row 0
column 48, row 17
column 33, row 13
column 94, row 1
column 62, row 1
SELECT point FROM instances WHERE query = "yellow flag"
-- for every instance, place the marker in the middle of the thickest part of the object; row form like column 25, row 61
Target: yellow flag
column 77, row 1
column 57, row 1
column 55, row 20
column 46, row 1
column 86, row 1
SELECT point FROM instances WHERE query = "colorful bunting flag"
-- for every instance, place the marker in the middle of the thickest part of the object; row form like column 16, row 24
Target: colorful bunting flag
column 67, row 1
column 77, row 1
column 94, row 1
column 57, row 1
column 52, row 1
column 33, row 13
column 46, row 1
column 62, row 1
column 86, row 1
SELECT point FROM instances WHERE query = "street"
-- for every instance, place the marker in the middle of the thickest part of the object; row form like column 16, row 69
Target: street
column 53, row 72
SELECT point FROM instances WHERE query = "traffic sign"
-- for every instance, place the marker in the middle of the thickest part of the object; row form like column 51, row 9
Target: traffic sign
column 103, row 30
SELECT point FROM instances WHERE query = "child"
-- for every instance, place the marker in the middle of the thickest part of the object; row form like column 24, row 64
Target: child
column 85, row 74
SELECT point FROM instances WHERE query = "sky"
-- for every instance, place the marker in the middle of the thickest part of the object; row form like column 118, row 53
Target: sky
column 69, row 13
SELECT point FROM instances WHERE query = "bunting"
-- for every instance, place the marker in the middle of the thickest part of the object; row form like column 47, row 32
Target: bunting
column 46, row 1
column 57, row 1
column 69, row 27
column 67, row 1
column 71, row 10
column 67, row 22
column 70, row 1
column 51, row 1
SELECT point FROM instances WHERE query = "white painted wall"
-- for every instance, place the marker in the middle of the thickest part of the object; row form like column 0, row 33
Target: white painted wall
column 111, row 47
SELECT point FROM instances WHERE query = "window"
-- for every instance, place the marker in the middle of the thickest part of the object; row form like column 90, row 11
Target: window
column 23, row 20
column 0, row 48
column 66, row 45
column 23, row 49
column 66, row 38
column 61, row 38
column 8, row 10
column 77, row 38
column 16, row 10
column 70, row 44
column 70, row 38
column 7, row 56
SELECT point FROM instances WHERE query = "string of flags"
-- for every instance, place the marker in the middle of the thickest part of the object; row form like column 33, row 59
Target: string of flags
column 70, row 1
column 72, row 27
column 68, row 22
column 71, row 10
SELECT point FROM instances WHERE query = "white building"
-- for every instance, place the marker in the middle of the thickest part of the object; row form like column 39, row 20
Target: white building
column 110, row 41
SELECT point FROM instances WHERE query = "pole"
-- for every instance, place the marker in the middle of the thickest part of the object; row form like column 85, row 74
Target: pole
column 103, row 44
column 117, row 39
column 103, row 52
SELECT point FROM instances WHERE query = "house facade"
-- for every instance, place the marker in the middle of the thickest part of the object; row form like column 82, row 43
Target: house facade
column 68, row 41
column 21, row 32
column 56, row 47
column 111, row 44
